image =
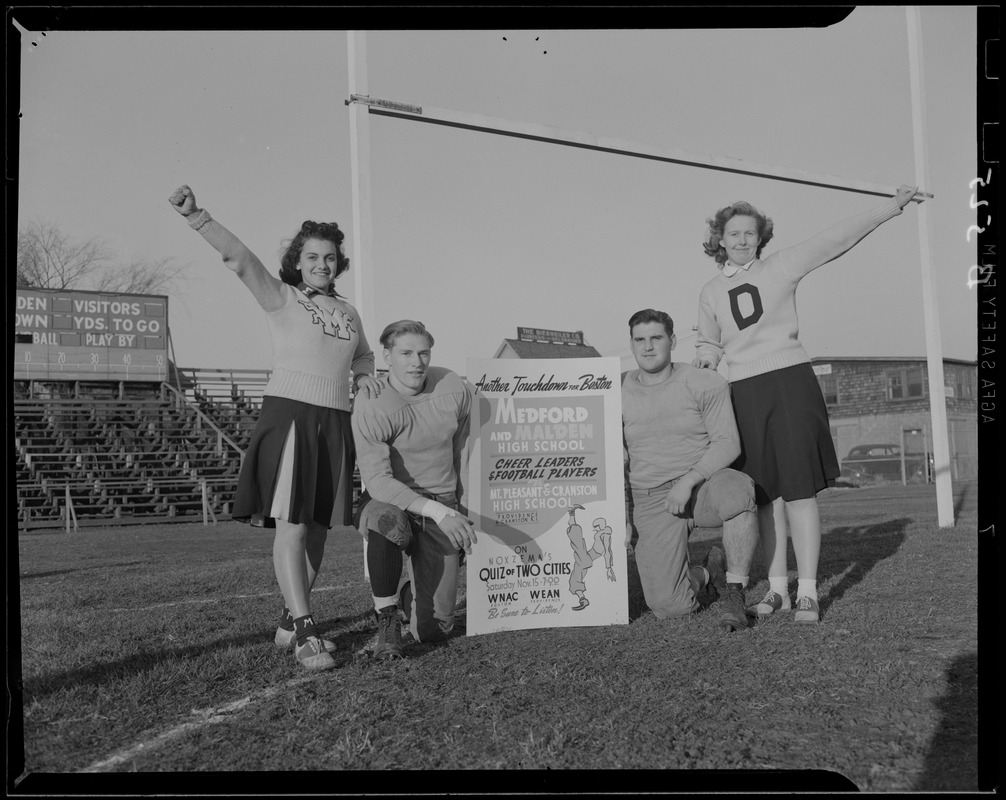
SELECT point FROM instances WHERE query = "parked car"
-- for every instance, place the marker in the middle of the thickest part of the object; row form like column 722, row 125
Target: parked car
column 872, row 463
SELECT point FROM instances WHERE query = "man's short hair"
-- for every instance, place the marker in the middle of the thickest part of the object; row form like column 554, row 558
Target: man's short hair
column 401, row 328
column 651, row 315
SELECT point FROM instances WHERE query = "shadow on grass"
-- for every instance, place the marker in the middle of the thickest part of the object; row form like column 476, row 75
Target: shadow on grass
column 33, row 575
column 353, row 634
column 30, row 575
column 965, row 491
column 952, row 758
column 852, row 551
column 849, row 551
column 348, row 641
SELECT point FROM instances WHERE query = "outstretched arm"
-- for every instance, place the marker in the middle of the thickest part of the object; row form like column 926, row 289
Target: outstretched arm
column 237, row 257
column 840, row 238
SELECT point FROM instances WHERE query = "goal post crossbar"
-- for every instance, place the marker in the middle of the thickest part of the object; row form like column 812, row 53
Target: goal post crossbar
column 604, row 144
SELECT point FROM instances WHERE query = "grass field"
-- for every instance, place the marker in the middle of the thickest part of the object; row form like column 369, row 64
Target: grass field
column 149, row 650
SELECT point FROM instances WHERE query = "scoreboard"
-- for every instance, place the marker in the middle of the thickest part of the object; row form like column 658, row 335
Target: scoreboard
column 69, row 335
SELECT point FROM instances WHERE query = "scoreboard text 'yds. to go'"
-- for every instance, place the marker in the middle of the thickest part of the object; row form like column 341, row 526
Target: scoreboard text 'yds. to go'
column 77, row 335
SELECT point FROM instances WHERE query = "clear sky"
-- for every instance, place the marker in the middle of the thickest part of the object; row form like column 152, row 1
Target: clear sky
column 478, row 234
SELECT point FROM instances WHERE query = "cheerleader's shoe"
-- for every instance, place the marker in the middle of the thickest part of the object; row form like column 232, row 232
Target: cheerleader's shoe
column 285, row 640
column 312, row 655
column 770, row 603
column 807, row 610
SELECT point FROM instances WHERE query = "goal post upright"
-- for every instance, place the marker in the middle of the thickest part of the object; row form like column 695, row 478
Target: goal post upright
column 934, row 345
column 364, row 279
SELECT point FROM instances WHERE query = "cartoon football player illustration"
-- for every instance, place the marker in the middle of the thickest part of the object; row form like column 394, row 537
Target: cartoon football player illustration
column 584, row 558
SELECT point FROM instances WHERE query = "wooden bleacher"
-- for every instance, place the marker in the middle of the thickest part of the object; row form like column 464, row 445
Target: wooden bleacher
column 100, row 454
column 110, row 452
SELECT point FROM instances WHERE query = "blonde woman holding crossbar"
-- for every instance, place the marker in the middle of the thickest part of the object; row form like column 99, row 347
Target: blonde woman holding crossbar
column 747, row 315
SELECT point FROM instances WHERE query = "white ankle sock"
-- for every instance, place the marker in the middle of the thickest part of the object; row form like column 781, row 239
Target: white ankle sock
column 779, row 585
column 806, row 587
column 741, row 579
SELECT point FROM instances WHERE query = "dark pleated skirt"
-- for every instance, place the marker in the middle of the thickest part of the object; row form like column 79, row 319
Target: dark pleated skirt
column 786, row 444
column 298, row 467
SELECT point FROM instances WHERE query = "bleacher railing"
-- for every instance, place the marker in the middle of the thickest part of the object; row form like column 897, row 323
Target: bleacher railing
column 204, row 419
column 224, row 384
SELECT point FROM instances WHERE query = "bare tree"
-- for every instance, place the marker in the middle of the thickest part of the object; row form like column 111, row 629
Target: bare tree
column 139, row 277
column 22, row 279
column 48, row 259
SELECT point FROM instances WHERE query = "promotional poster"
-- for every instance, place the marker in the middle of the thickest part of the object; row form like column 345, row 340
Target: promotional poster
column 546, row 493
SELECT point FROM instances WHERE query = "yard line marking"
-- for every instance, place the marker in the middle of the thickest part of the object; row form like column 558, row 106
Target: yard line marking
column 230, row 597
column 208, row 716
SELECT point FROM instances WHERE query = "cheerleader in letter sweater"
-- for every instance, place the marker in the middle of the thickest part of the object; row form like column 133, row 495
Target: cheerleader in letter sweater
column 747, row 314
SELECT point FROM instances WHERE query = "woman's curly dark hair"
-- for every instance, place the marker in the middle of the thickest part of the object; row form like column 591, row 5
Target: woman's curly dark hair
column 289, row 272
column 718, row 222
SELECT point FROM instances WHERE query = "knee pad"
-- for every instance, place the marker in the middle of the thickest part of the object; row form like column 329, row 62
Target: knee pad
column 735, row 494
column 387, row 520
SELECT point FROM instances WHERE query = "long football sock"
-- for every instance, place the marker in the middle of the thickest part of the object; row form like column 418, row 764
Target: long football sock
column 384, row 562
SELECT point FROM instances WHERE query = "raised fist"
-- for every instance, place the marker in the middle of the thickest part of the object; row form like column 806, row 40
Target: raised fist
column 183, row 200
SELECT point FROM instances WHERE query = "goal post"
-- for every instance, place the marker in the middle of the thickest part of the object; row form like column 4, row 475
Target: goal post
column 361, row 105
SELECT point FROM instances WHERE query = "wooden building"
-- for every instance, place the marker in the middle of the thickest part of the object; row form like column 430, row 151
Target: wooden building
column 880, row 400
